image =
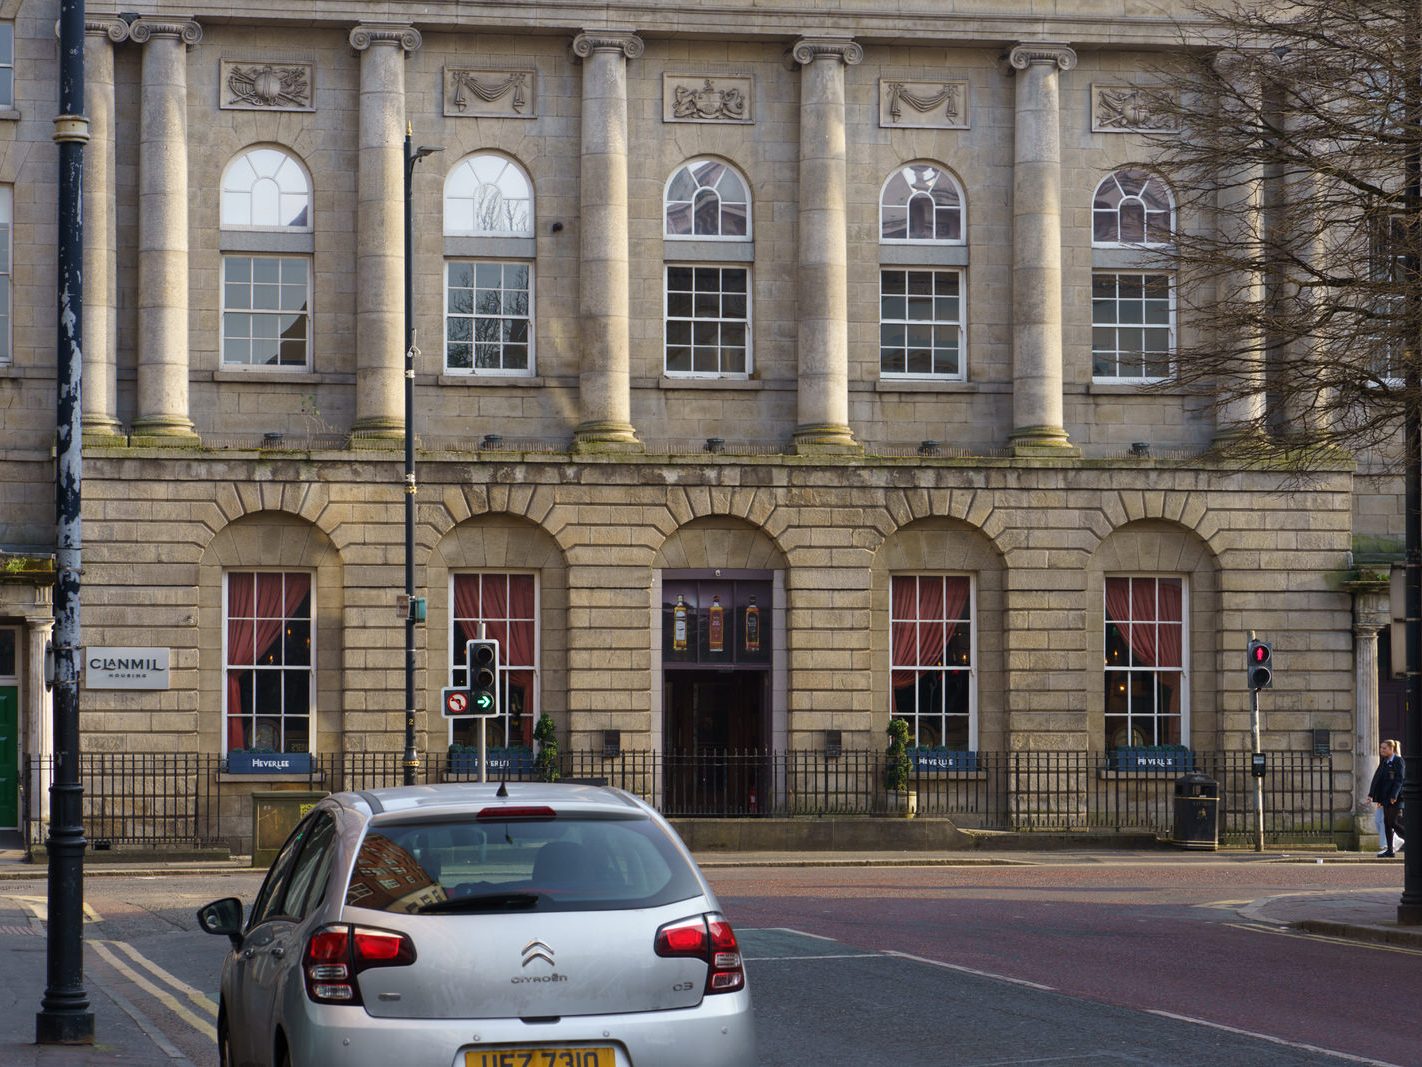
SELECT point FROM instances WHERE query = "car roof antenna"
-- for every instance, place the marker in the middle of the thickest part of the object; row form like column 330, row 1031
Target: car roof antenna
column 503, row 790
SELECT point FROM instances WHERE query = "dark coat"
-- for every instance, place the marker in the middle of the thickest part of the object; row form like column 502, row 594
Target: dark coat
column 1387, row 781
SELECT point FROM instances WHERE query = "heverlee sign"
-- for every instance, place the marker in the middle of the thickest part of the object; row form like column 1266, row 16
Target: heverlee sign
column 126, row 668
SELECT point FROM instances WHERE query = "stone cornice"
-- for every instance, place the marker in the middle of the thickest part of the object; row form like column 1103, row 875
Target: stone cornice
column 808, row 49
column 1024, row 55
column 115, row 29
column 590, row 41
column 406, row 37
column 144, row 28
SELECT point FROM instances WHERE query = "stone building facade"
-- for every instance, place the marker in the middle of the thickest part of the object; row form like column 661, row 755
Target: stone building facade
column 815, row 304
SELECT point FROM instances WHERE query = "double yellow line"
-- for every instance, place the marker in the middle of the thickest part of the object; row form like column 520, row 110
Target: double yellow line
column 204, row 1020
column 168, row 989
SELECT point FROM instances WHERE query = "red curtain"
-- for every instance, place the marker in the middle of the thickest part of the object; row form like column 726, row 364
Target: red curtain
column 522, row 613
column 1136, row 599
column 466, row 609
column 926, row 613
column 505, row 603
column 1171, row 636
column 249, row 640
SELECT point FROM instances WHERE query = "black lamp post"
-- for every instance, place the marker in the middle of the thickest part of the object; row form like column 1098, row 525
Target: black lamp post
column 64, row 1017
column 413, row 614
column 1409, row 908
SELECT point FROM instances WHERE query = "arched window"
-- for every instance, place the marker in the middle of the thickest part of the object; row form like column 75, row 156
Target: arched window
column 265, row 189
column 488, row 195
column 266, row 281
column 921, row 202
column 1132, row 294
column 1132, row 207
column 706, row 198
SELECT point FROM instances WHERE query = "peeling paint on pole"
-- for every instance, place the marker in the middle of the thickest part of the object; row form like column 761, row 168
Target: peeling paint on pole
column 64, row 1016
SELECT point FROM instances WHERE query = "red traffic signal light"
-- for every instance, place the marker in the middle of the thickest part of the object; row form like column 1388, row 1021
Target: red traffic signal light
column 1260, row 665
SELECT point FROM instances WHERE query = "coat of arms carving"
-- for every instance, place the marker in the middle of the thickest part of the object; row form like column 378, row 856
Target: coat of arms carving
column 703, row 99
column 266, row 86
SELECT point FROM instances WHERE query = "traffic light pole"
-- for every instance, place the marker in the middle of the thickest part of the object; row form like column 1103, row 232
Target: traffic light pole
column 1258, row 780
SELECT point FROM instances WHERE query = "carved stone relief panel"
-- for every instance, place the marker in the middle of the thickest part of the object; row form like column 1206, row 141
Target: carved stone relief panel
column 1131, row 109
column 940, row 105
column 499, row 94
column 259, row 86
column 697, row 98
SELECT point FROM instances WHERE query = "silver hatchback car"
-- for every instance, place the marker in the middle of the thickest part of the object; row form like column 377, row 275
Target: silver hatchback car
column 527, row 925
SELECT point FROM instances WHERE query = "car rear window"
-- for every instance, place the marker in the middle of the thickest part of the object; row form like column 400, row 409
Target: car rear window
column 567, row 863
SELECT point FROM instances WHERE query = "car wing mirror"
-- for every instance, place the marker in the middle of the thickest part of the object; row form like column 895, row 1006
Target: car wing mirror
column 222, row 917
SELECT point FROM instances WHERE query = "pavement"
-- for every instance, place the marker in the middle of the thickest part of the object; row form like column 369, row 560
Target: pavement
column 126, row 1036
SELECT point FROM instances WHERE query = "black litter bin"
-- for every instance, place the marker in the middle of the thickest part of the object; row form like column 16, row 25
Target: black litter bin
column 1197, row 811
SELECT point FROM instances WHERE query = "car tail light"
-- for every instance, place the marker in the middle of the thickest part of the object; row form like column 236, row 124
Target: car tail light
column 511, row 812
column 709, row 938
column 336, row 954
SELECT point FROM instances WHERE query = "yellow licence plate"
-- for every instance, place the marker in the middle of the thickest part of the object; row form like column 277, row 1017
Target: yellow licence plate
column 541, row 1057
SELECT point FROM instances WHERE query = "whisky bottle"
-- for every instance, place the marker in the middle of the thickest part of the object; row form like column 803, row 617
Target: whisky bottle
column 752, row 627
column 716, row 626
column 679, row 624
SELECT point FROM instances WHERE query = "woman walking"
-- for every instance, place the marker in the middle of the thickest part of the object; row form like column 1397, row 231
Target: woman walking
column 1386, row 791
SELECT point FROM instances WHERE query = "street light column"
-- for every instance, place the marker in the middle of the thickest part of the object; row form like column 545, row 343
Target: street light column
column 64, row 1017
column 412, row 156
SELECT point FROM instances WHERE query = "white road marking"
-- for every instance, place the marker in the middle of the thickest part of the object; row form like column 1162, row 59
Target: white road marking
column 797, row 933
column 201, row 1025
column 970, row 970
column 1272, row 1040
column 836, row 956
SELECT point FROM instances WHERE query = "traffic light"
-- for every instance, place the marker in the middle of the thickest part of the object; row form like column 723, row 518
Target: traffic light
column 483, row 660
column 1261, row 665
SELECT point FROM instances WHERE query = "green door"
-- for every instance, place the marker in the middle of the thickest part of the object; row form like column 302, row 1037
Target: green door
column 9, row 756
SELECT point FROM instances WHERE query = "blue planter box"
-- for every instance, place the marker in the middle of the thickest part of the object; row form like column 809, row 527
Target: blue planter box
column 939, row 760
column 1173, row 758
column 269, row 763
column 512, row 761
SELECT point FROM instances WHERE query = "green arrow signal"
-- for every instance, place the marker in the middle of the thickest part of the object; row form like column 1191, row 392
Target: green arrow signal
column 484, row 701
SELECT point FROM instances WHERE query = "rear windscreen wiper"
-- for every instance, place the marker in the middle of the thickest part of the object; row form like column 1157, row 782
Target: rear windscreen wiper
column 483, row 902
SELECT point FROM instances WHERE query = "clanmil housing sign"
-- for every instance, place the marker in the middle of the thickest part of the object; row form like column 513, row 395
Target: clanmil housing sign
column 126, row 668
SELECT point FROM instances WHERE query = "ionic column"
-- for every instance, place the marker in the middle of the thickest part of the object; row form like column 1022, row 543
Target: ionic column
column 604, row 383
column 163, row 227
column 822, row 414
column 380, row 229
column 1037, row 420
column 1370, row 614
column 1240, row 409
column 100, row 392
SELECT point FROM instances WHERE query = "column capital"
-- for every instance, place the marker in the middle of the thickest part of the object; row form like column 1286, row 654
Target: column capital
column 808, row 49
column 624, row 41
column 144, row 28
column 1023, row 56
column 115, row 29
column 402, row 36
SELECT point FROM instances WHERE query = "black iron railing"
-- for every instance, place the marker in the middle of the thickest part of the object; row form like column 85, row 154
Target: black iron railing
column 191, row 800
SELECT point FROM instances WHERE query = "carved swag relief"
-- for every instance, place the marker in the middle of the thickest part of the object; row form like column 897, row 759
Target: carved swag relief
column 489, row 93
column 933, row 105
